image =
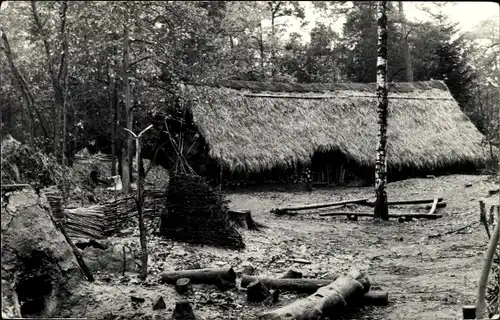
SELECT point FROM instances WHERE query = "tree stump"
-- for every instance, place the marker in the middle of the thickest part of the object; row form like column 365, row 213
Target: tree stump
column 293, row 274
column 224, row 284
column 248, row 270
column 159, row 304
column 183, row 286
column 257, row 292
column 469, row 312
column 183, row 311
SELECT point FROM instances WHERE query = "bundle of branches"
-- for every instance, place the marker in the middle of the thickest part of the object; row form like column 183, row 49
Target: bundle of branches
column 196, row 213
column 22, row 164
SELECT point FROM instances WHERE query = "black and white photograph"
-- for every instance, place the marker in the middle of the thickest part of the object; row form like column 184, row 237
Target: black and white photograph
column 250, row 160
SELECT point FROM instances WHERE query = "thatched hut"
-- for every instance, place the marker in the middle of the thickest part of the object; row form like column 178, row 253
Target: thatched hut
column 258, row 128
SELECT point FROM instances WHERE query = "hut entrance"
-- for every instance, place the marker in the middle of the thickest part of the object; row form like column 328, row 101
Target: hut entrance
column 333, row 169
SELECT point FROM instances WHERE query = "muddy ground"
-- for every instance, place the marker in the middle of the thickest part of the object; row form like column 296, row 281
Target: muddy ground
column 426, row 278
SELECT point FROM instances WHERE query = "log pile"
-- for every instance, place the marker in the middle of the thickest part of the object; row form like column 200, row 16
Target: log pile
column 195, row 213
column 329, row 300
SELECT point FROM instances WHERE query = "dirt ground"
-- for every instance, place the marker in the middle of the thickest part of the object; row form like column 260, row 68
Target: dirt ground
column 426, row 278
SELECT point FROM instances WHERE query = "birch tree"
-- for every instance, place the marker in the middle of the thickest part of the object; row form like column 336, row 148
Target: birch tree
column 381, row 207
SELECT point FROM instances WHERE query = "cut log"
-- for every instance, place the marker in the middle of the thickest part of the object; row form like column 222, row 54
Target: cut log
column 303, row 261
column 370, row 214
column 296, row 285
column 208, row 275
column 328, row 301
column 376, row 298
column 257, row 292
column 439, row 205
column 405, row 202
column 137, row 299
column 434, row 206
column 292, row 274
column 279, row 211
column 183, row 286
column 183, row 311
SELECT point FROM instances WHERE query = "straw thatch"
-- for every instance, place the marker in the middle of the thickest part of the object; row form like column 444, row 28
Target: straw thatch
column 252, row 126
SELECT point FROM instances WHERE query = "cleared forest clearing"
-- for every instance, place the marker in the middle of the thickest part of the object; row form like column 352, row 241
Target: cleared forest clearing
column 425, row 277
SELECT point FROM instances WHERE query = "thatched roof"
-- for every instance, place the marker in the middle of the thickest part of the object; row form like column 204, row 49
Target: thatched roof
column 251, row 126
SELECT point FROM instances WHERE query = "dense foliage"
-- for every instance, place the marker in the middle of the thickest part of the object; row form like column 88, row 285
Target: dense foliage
column 63, row 71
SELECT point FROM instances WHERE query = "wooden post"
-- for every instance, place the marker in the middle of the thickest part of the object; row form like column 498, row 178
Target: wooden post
column 483, row 281
column 139, row 201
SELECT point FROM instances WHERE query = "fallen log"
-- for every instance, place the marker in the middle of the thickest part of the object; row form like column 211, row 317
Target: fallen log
column 207, row 275
column 328, row 301
column 257, row 292
column 370, row 214
column 296, row 285
column 279, row 211
column 434, row 206
column 439, row 205
column 405, row 202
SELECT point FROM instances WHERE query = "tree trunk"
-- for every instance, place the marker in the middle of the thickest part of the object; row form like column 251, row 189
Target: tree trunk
column 114, row 124
column 261, row 49
column 56, row 84
column 209, row 276
column 129, row 115
column 381, row 206
column 273, row 53
column 25, row 91
column 406, row 47
column 139, row 201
